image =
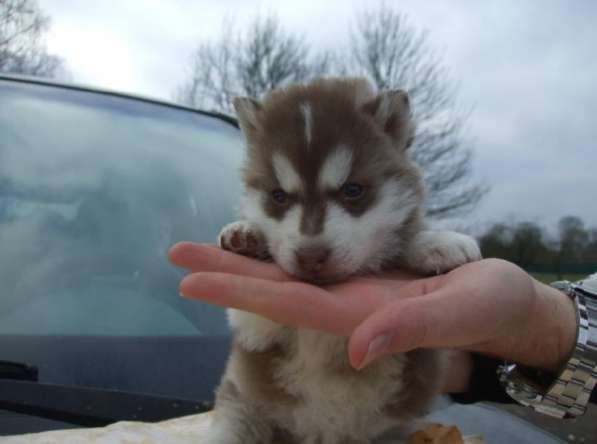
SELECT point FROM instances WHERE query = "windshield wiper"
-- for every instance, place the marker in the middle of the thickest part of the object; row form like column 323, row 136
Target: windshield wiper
column 18, row 371
column 91, row 407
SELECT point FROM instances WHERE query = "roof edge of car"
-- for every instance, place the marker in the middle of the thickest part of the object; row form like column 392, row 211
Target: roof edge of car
column 78, row 87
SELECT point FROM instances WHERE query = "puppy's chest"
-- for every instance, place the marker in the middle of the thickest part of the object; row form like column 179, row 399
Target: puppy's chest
column 332, row 395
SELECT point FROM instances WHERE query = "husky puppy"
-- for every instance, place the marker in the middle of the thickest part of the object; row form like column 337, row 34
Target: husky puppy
column 330, row 193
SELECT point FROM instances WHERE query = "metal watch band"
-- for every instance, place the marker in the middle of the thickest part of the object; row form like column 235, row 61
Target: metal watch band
column 569, row 394
column 571, row 391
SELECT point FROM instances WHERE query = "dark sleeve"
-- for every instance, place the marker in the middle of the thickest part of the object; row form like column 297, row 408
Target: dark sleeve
column 485, row 385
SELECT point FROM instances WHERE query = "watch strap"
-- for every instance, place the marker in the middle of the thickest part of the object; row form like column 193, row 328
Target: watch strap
column 572, row 389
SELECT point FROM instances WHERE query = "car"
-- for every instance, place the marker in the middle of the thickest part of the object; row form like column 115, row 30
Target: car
column 95, row 186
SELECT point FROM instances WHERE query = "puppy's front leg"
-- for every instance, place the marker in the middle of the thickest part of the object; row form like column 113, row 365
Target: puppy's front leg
column 235, row 422
column 435, row 252
column 228, row 429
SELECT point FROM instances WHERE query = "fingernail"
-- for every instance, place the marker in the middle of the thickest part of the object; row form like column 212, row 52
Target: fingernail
column 376, row 348
column 183, row 285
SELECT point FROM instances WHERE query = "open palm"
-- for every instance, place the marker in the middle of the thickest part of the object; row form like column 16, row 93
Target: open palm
column 488, row 306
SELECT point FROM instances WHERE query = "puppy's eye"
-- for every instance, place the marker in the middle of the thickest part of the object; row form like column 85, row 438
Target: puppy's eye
column 352, row 191
column 280, row 196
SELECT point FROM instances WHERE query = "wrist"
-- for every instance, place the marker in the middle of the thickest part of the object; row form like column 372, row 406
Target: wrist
column 551, row 331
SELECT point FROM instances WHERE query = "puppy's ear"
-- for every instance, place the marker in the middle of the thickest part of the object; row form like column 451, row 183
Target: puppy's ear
column 248, row 112
column 391, row 111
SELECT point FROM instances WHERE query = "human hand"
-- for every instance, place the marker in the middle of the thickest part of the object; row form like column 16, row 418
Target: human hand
column 490, row 306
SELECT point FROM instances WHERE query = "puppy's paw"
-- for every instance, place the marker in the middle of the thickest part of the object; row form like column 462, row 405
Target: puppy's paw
column 436, row 252
column 242, row 237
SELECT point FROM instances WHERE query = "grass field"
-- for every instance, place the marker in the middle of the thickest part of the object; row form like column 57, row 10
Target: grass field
column 550, row 277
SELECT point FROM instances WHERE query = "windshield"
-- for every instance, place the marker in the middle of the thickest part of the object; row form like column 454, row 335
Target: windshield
column 94, row 189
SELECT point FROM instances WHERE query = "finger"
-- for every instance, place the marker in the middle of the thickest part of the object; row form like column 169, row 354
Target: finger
column 203, row 257
column 434, row 320
column 289, row 303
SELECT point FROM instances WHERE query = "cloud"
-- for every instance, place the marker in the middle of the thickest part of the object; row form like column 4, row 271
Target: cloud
column 526, row 69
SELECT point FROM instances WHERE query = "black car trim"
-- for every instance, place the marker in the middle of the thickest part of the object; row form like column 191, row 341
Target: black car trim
column 92, row 407
column 18, row 371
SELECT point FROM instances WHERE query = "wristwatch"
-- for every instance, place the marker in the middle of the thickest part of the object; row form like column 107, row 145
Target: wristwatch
column 567, row 394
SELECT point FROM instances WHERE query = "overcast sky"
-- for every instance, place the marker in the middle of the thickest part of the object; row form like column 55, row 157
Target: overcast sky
column 527, row 70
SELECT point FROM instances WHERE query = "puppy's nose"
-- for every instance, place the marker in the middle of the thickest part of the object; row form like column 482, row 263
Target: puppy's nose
column 312, row 259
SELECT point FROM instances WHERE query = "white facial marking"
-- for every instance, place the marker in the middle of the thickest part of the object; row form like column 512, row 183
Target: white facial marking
column 335, row 169
column 289, row 180
column 363, row 243
column 308, row 116
column 358, row 243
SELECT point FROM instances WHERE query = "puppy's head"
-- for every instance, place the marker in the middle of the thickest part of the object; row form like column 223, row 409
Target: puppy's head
column 327, row 177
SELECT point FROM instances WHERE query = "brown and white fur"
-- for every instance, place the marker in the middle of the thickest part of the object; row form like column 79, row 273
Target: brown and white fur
column 329, row 193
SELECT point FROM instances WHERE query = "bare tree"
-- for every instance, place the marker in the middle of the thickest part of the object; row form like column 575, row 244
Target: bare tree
column 388, row 50
column 393, row 53
column 22, row 27
column 211, row 81
column 590, row 255
column 528, row 244
column 573, row 241
column 496, row 241
column 250, row 63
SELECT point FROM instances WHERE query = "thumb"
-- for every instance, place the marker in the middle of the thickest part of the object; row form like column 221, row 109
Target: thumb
column 430, row 320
